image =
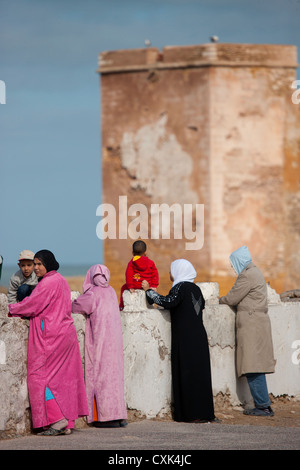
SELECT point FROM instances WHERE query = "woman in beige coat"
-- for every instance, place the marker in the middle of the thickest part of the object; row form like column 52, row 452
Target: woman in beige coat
column 254, row 356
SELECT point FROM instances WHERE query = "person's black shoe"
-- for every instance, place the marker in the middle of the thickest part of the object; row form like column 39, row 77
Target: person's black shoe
column 107, row 424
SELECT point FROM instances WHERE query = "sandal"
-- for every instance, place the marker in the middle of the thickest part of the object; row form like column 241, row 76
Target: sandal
column 53, row 432
column 202, row 421
column 68, row 431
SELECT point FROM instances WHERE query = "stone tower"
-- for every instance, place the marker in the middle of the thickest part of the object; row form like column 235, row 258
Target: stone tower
column 212, row 125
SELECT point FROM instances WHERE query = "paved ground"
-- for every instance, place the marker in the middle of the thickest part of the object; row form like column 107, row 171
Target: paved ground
column 163, row 435
column 235, row 432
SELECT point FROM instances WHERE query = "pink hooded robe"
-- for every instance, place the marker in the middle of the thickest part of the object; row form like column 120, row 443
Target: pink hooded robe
column 54, row 359
column 104, row 359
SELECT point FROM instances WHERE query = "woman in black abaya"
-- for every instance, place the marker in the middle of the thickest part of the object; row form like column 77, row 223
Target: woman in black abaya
column 191, row 373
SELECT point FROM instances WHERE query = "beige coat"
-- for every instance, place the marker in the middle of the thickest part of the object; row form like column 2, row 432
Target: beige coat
column 254, row 351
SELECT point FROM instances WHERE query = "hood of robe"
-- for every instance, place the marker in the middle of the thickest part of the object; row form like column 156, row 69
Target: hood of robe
column 182, row 271
column 97, row 275
column 240, row 258
column 141, row 263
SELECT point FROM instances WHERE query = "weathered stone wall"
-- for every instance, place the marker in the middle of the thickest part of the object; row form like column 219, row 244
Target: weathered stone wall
column 147, row 347
column 147, row 342
column 14, row 404
column 211, row 124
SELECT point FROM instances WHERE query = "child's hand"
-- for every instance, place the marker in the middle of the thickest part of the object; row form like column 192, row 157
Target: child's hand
column 145, row 285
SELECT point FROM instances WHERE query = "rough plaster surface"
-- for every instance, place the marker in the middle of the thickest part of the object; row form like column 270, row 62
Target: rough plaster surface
column 14, row 405
column 143, row 156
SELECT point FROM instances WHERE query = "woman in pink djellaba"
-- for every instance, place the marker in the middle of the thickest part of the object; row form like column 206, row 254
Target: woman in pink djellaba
column 55, row 378
column 104, row 359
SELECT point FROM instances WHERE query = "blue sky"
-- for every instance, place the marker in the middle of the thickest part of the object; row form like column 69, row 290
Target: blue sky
column 50, row 143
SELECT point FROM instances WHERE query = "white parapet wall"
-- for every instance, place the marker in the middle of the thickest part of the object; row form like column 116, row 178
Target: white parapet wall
column 147, row 348
column 147, row 359
column 147, row 356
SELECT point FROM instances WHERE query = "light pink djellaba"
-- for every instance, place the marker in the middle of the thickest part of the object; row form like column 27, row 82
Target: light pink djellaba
column 54, row 359
column 104, row 358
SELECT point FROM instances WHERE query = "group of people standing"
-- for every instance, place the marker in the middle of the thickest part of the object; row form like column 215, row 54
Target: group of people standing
column 191, row 371
column 59, row 393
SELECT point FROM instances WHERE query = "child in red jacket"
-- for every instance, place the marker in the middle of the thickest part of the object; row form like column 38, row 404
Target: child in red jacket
column 139, row 268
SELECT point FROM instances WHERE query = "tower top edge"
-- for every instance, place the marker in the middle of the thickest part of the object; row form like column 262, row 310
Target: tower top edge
column 211, row 54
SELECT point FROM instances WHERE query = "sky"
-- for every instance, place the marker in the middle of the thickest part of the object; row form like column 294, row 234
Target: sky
column 50, row 124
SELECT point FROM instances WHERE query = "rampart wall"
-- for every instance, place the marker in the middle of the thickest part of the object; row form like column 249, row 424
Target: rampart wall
column 147, row 357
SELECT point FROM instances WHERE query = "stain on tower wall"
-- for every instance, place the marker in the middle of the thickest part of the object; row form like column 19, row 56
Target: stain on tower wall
column 212, row 124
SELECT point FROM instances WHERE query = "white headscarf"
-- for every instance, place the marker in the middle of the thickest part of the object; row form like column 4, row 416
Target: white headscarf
column 182, row 271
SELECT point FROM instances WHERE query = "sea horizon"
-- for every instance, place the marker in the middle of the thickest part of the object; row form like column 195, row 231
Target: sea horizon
column 66, row 270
